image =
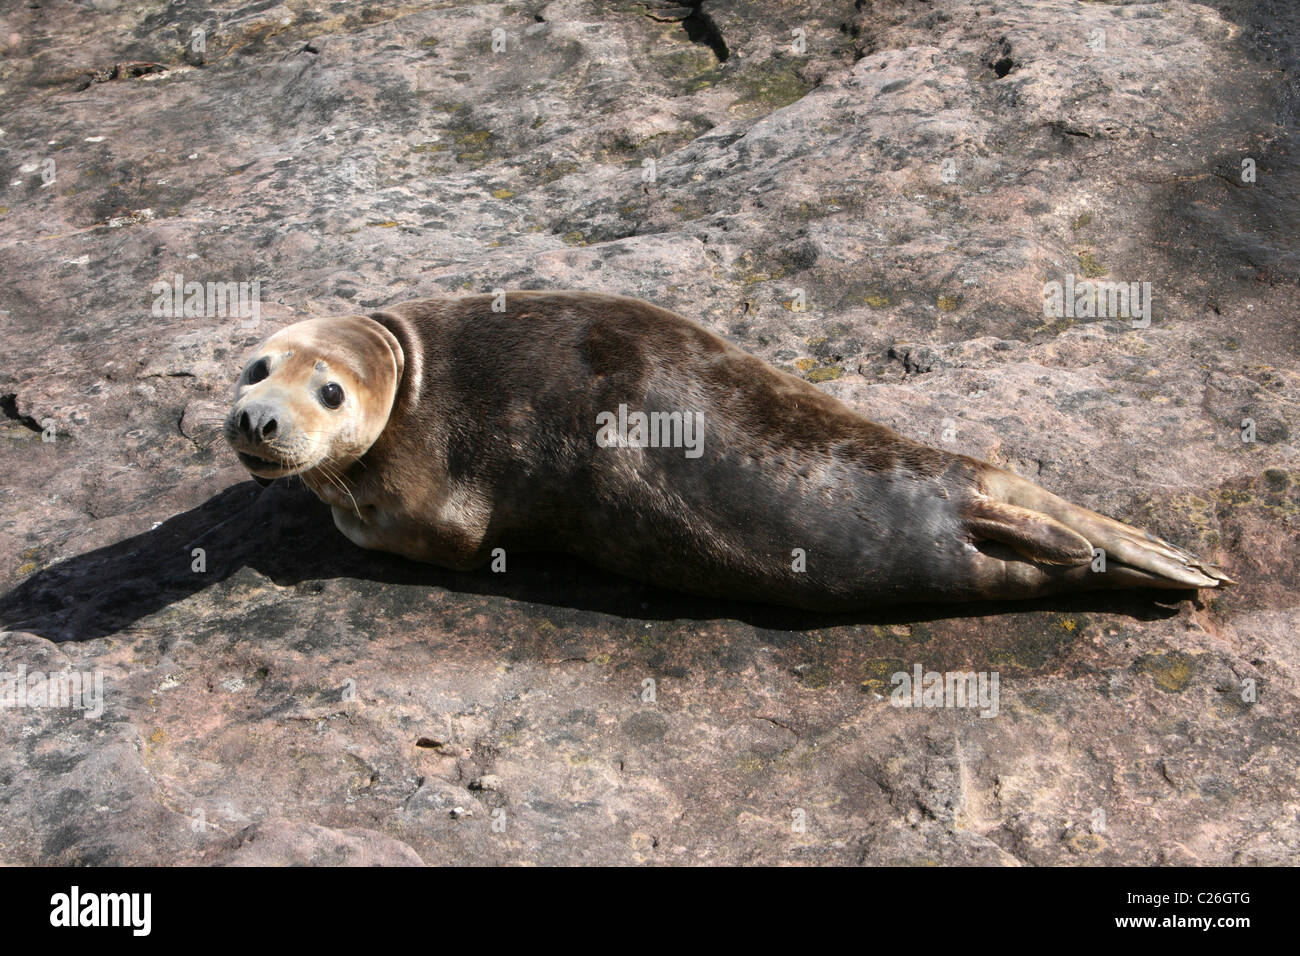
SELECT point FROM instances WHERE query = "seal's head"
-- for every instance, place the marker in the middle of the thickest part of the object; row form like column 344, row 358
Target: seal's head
column 316, row 393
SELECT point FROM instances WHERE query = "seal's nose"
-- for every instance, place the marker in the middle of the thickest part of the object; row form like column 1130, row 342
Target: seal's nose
column 257, row 423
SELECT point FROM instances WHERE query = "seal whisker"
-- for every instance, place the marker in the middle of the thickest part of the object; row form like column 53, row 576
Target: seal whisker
column 340, row 484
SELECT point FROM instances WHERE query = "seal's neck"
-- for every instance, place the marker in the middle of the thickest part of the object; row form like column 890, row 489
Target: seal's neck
column 410, row 360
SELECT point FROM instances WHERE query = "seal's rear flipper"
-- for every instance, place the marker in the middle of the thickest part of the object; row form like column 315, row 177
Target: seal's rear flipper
column 1165, row 565
column 1037, row 537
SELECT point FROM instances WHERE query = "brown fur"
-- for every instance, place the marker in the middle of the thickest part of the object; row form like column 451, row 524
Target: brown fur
column 474, row 429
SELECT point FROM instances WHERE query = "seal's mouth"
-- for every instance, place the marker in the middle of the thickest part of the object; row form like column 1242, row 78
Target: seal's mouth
column 263, row 465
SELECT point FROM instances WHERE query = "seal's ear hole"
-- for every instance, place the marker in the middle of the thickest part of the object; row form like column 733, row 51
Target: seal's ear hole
column 331, row 395
column 258, row 371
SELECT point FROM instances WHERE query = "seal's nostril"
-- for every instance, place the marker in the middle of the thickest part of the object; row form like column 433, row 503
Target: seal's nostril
column 243, row 423
column 268, row 430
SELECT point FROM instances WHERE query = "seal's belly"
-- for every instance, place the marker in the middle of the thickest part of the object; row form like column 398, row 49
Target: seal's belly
column 814, row 532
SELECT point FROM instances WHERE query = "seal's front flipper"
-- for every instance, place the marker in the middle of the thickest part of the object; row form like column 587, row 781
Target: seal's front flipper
column 1165, row 564
column 1036, row 536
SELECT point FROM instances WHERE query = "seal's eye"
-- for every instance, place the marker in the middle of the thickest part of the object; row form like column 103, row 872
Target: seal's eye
column 331, row 395
column 258, row 371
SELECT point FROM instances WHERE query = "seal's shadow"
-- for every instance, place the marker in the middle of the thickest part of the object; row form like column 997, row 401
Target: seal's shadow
column 286, row 534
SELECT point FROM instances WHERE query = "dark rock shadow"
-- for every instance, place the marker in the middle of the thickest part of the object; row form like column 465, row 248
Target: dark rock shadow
column 1238, row 237
column 286, row 534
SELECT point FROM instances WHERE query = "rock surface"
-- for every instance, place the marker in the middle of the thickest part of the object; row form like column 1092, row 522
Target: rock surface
column 870, row 194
